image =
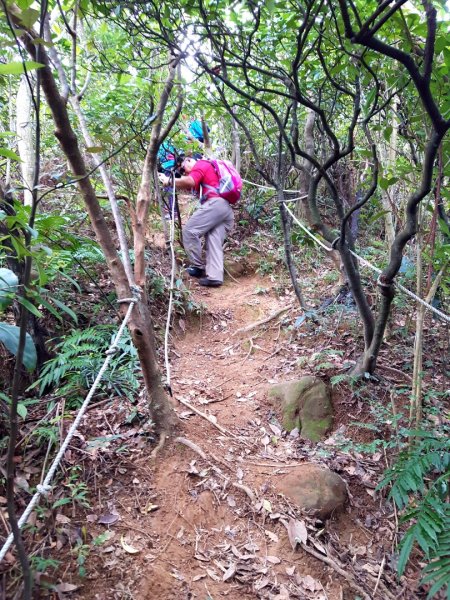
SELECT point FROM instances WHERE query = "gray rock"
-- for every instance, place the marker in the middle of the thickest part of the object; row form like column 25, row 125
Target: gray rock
column 305, row 404
column 316, row 489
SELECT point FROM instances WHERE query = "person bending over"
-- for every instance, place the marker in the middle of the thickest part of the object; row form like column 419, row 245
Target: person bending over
column 213, row 219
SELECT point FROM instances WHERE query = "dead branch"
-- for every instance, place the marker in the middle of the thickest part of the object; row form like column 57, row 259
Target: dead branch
column 264, row 321
column 331, row 563
column 201, row 453
column 210, row 419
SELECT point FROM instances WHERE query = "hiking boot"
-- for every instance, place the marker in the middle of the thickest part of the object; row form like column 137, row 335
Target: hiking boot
column 195, row 272
column 210, row 282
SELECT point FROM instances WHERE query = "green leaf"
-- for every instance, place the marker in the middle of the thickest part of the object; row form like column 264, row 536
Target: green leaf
column 386, row 182
column 407, row 544
column 61, row 502
column 94, row 149
column 9, row 154
column 28, row 17
column 27, row 304
column 17, row 68
column 65, row 309
column 8, row 287
column 22, row 410
column 9, row 336
column 378, row 215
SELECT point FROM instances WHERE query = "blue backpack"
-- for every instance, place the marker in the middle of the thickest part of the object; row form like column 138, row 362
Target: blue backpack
column 196, row 129
column 167, row 155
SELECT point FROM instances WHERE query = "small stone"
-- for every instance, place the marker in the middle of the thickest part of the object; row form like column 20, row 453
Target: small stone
column 315, row 489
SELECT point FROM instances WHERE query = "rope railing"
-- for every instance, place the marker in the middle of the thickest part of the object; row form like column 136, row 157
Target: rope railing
column 369, row 265
column 362, row 260
column 44, row 488
column 172, row 281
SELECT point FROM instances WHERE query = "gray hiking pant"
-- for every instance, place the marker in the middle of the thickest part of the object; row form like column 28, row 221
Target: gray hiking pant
column 213, row 220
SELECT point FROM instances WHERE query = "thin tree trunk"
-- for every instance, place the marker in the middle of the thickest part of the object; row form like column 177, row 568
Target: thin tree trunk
column 302, row 209
column 368, row 361
column 144, row 196
column 236, row 145
column 288, row 253
column 206, row 139
column 74, row 101
column 389, row 229
column 415, row 412
column 25, row 134
column 140, row 324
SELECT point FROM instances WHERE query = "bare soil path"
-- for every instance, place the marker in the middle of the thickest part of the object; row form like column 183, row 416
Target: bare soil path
column 205, row 520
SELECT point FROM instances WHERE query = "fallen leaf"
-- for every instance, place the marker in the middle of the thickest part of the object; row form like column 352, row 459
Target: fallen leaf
column 66, row 587
column 186, row 414
column 274, row 560
column 290, row 570
column 62, row 519
column 239, row 473
column 231, row 501
column 230, row 572
column 151, row 507
column 127, row 547
column 272, row 536
column 201, row 557
column 267, row 506
column 108, row 519
column 309, row 583
column 213, row 575
column 276, row 430
column 283, row 594
column 198, row 577
column 297, row 532
column 259, row 585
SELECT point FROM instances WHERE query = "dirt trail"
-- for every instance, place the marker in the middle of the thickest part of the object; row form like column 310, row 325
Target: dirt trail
column 198, row 532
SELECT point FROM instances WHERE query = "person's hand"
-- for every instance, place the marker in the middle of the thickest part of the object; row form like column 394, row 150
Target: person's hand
column 163, row 179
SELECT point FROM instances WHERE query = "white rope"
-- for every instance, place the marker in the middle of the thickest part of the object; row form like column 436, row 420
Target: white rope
column 267, row 187
column 369, row 265
column 45, row 487
column 172, row 280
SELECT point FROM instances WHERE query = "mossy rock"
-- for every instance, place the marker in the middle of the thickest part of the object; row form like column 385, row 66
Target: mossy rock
column 234, row 268
column 306, row 405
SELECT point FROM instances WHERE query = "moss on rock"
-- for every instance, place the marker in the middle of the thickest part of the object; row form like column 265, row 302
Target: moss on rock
column 305, row 404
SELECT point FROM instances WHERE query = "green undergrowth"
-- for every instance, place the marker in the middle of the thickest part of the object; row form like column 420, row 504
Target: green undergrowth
column 417, row 480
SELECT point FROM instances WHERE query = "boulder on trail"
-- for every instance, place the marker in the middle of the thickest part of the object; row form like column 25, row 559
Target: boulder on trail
column 306, row 405
column 315, row 489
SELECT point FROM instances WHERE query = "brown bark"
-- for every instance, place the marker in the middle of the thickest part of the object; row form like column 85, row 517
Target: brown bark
column 144, row 196
column 140, row 324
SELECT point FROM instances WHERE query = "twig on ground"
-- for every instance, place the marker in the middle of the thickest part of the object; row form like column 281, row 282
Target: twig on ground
column 380, row 572
column 207, row 417
column 250, row 349
column 331, row 563
column 202, row 454
column 264, row 321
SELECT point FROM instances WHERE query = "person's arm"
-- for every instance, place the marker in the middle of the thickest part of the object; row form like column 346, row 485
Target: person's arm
column 186, row 182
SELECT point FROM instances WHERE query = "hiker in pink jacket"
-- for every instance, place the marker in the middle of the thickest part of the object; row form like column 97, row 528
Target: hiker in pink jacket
column 213, row 219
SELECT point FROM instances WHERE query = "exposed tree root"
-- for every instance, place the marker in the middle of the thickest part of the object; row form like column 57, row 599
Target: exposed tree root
column 208, row 418
column 162, row 440
column 271, row 317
